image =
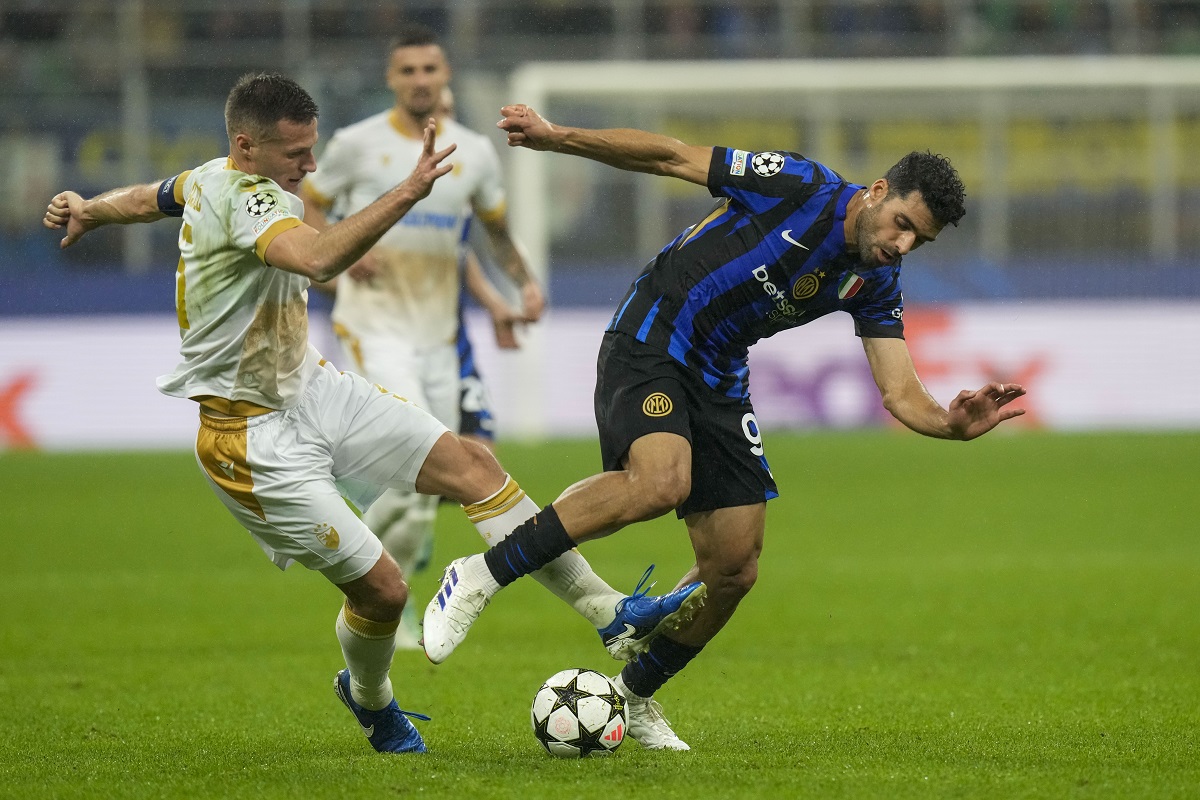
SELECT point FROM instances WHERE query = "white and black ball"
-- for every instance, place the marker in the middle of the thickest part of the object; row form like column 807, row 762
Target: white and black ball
column 579, row 713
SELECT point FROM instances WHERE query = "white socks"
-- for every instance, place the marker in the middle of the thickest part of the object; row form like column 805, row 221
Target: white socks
column 569, row 577
column 367, row 647
column 403, row 521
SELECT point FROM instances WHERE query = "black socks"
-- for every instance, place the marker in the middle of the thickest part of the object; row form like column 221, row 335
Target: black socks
column 646, row 674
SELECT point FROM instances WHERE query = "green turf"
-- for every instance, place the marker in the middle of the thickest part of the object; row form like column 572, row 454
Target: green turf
column 1014, row 617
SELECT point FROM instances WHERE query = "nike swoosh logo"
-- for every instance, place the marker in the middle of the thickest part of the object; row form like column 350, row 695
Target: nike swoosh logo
column 368, row 731
column 629, row 631
column 789, row 239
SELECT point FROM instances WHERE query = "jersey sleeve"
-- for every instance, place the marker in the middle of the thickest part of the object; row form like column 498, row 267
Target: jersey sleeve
column 881, row 313
column 335, row 174
column 170, row 195
column 488, row 201
column 758, row 181
column 261, row 211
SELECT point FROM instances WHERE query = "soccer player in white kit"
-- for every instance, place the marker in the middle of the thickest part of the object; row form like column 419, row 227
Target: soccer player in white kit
column 396, row 312
column 283, row 435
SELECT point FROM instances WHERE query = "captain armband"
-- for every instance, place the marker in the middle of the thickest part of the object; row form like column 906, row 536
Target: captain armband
column 167, row 202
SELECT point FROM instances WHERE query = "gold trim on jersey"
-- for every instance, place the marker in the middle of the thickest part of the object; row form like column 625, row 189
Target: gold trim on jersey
column 180, row 292
column 496, row 214
column 268, row 236
column 177, row 189
column 497, row 504
column 231, row 408
column 221, row 448
column 323, row 200
column 368, row 628
column 351, row 341
column 716, row 212
column 394, row 121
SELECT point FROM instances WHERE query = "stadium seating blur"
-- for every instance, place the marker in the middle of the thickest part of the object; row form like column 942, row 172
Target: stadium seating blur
column 104, row 92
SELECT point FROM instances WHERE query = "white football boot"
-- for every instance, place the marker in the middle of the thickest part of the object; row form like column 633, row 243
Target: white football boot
column 467, row 587
column 647, row 725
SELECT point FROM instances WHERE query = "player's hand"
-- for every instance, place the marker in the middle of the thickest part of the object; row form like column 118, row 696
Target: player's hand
column 972, row 414
column 533, row 302
column 505, row 327
column 431, row 165
column 66, row 211
column 525, row 127
column 506, row 319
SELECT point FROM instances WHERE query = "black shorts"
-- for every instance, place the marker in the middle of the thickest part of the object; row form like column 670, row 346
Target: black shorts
column 642, row 390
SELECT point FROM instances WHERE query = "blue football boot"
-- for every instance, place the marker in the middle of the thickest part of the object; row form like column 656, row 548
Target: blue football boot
column 388, row 730
column 640, row 618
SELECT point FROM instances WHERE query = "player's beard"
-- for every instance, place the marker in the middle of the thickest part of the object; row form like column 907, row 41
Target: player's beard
column 866, row 241
column 421, row 106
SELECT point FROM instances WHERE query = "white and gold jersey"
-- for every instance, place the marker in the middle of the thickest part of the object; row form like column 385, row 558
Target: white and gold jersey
column 243, row 325
column 415, row 296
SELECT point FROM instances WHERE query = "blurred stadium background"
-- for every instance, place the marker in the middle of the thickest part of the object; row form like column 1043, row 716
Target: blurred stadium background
column 1073, row 125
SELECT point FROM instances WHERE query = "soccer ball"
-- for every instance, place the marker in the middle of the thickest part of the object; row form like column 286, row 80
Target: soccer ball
column 579, row 713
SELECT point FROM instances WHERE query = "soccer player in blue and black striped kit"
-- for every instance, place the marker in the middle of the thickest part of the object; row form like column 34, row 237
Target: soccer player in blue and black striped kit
column 789, row 241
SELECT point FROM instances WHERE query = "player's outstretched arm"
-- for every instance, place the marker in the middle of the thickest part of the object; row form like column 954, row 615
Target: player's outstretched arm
column 505, row 318
column 316, row 216
column 138, row 203
column 971, row 414
column 624, row 148
column 322, row 255
column 515, row 265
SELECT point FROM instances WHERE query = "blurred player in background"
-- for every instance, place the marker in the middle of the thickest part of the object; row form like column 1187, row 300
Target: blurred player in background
column 475, row 407
column 789, row 241
column 397, row 318
column 283, row 435
column 390, row 339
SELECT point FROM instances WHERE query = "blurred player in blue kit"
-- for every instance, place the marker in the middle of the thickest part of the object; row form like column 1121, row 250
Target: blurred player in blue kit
column 789, row 241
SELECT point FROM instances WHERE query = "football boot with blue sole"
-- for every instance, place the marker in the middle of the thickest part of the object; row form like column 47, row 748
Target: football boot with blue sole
column 640, row 617
column 388, row 730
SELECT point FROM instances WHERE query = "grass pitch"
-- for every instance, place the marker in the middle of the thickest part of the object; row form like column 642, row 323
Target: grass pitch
column 1014, row 617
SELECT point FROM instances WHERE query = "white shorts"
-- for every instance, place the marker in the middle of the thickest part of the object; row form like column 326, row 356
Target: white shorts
column 428, row 376
column 283, row 475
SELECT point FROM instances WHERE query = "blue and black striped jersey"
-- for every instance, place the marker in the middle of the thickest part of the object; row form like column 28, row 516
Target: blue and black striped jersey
column 771, row 256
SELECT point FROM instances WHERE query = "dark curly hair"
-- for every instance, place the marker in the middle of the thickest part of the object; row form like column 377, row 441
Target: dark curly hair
column 260, row 100
column 937, row 181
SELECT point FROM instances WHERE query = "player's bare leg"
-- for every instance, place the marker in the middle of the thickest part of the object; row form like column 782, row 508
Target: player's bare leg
column 463, row 471
column 625, row 625
column 455, row 460
column 366, row 630
column 403, row 521
column 727, row 543
column 657, row 478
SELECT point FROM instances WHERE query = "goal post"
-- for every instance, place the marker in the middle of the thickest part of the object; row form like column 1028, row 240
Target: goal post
column 1052, row 151
column 828, row 93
